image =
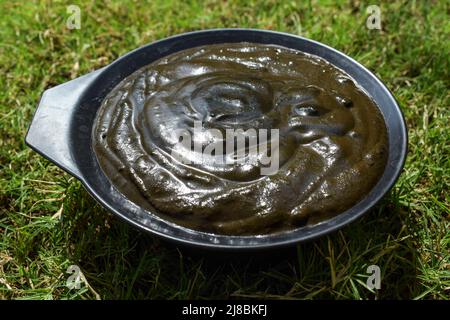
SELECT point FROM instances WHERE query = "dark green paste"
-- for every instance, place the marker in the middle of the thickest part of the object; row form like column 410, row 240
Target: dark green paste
column 333, row 139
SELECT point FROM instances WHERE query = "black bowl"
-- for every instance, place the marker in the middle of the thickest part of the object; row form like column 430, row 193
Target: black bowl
column 62, row 125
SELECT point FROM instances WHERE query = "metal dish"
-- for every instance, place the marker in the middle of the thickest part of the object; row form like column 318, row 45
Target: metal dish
column 62, row 125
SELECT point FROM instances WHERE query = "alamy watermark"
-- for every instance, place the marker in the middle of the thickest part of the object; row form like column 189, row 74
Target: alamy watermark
column 374, row 280
column 238, row 147
column 374, row 19
column 74, row 19
column 75, row 279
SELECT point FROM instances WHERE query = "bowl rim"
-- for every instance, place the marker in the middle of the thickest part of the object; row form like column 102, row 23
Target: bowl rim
column 181, row 235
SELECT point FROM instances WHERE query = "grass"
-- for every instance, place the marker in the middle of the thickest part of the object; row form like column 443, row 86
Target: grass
column 49, row 222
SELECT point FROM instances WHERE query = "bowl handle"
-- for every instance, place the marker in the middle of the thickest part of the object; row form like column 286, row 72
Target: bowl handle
column 49, row 131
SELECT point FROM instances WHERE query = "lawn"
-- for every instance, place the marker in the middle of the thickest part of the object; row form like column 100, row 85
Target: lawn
column 48, row 222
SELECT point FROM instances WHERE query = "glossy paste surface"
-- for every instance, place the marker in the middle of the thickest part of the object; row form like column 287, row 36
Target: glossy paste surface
column 332, row 138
